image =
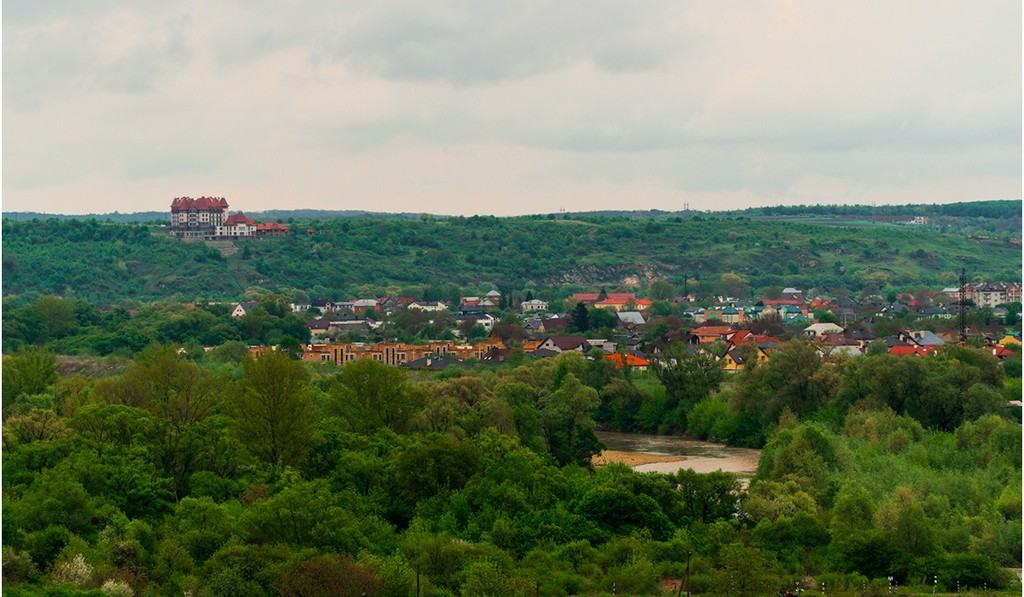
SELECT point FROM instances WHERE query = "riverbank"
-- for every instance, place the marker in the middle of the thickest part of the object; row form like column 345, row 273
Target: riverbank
column 668, row 454
column 632, row 459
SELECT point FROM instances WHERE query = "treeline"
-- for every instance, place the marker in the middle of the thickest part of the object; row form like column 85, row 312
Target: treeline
column 551, row 257
column 1002, row 209
column 213, row 474
column 73, row 327
column 997, row 209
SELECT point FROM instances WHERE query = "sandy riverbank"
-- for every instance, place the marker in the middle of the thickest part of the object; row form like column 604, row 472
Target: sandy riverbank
column 740, row 461
column 633, row 458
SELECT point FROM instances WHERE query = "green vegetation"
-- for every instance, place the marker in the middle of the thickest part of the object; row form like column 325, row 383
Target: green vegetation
column 213, row 474
column 106, row 263
column 135, row 462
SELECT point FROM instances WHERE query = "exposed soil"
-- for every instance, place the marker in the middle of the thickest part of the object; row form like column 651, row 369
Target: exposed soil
column 632, row 458
column 668, row 454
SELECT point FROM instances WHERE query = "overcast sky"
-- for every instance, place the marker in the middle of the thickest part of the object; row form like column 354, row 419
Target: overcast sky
column 508, row 107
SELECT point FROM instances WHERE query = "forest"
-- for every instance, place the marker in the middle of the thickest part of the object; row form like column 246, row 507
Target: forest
column 549, row 255
column 145, row 452
column 181, row 471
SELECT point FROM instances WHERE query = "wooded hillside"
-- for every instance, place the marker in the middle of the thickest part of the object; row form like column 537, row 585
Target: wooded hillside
column 346, row 257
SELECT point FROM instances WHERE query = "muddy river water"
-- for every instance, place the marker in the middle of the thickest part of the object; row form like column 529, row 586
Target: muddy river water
column 668, row 454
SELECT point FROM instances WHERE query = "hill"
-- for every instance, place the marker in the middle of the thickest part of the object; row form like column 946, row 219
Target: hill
column 363, row 256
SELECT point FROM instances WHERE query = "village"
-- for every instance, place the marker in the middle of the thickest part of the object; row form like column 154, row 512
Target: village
column 630, row 331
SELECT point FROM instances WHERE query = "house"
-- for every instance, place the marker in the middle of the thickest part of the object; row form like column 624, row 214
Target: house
column 908, row 350
column 937, row 311
column 732, row 315
column 533, row 305
column 301, row 307
column 1009, row 341
column 491, row 300
column 733, row 362
column 241, row 309
column 560, row 344
column 532, row 324
column 709, row 334
column 432, row 306
column 606, row 345
column 350, row 326
column 626, row 359
column 1000, row 352
column 323, row 304
column 820, row 329
column 630, row 319
column 361, row 306
column 272, row 229
column 619, row 304
column 486, row 320
column 553, row 324
column 921, row 338
column 318, row 327
column 236, row 226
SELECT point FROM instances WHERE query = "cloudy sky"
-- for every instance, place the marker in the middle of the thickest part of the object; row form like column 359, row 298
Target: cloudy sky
column 508, row 107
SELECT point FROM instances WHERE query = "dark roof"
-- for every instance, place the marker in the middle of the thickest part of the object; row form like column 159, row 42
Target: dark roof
column 433, row 362
column 543, row 353
column 569, row 342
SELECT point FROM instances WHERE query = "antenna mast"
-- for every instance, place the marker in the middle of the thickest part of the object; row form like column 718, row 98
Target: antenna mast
column 962, row 302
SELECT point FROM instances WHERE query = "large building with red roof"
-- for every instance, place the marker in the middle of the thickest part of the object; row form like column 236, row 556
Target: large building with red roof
column 207, row 218
column 198, row 218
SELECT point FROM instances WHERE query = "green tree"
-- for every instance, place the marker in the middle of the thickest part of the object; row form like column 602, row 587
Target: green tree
column 370, row 395
column 688, row 377
column 26, row 372
column 661, row 290
column 272, row 409
column 58, row 315
column 568, row 424
column 708, row 497
column 581, row 317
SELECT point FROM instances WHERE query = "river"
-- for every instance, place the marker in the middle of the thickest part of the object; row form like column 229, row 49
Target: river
column 668, row 454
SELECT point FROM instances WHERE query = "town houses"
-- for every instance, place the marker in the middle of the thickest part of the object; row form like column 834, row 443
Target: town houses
column 634, row 330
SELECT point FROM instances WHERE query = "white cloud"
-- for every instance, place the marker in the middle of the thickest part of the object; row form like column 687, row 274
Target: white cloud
column 480, row 108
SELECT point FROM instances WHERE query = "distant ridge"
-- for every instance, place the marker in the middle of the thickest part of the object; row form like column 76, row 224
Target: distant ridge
column 1003, row 208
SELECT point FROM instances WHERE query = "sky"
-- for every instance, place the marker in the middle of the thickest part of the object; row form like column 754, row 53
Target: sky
column 508, row 108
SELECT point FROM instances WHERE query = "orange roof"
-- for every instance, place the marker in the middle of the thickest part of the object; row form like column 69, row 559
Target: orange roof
column 271, row 226
column 238, row 218
column 623, row 360
column 712, row 330
column 902, row 351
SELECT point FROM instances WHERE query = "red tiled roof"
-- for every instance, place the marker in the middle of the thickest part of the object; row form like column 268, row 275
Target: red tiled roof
column 622, row 360
column 1000, row 351
column 712, row 330
column 271, row 226
column 585, row 296
column 902, row 351
column 238, row 218
column 202, row 203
